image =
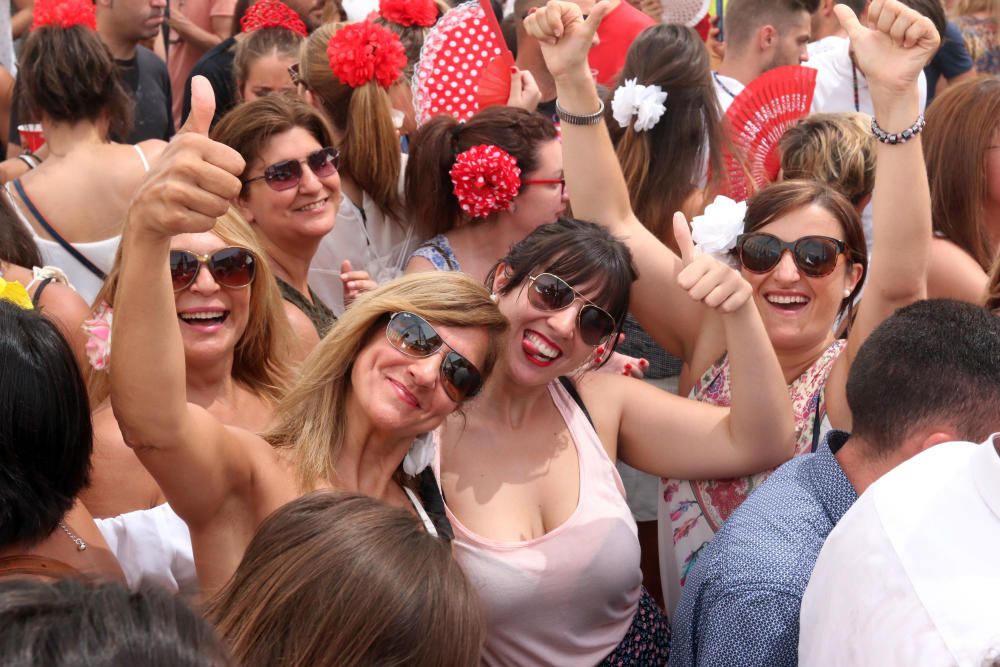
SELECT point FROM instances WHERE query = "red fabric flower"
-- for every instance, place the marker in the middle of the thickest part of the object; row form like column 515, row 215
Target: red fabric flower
column 485, row 180
column 272, row 14
column 361, row 52
column 64, row 14
column 423, row 13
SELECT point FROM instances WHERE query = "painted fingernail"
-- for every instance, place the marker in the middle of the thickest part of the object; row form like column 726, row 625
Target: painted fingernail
column 600, row 350
column 513, row 70
column 643, row 363
column 628, row 367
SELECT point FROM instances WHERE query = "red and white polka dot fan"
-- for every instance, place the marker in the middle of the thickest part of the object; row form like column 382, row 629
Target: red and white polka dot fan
column 464, row 64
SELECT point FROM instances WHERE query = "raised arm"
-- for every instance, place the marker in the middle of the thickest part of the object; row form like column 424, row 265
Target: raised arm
column 182, row 446
column 892, row 51
column 675, row 437
column 594, row 178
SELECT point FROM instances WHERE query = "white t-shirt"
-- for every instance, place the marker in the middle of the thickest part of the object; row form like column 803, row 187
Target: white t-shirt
column 911, row 574
column 727, row 88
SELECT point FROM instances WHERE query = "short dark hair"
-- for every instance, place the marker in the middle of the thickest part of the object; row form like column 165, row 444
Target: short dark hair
column 45, row 429
column 71, row 622
column 744, row 17
column 932, row 361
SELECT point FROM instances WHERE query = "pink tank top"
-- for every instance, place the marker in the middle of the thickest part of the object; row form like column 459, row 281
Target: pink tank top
column 568, row 597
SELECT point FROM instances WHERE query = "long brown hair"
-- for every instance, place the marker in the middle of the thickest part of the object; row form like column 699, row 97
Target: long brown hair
column 369, row 147
column 661, row 165
column 261, row 356
column 313, row 412
column 336, row 579
column 956, row 153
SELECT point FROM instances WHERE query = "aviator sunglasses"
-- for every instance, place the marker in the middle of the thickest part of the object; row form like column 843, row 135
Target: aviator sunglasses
column 415, row 337
column 286, row 174
column 549, row 292
column 815, row 256
column 231, row 267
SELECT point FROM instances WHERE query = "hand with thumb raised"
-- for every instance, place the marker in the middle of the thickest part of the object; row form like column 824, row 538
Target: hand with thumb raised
column 565, row 36
column 199, row 120
column 705, row 278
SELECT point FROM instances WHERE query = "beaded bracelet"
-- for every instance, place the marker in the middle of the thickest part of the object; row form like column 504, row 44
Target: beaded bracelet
column 898, row 137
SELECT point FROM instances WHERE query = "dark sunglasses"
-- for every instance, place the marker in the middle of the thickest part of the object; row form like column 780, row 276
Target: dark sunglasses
column 231, row 267
column 815, row 256
column 415, row 337
column 286, row 174
column 549, row 292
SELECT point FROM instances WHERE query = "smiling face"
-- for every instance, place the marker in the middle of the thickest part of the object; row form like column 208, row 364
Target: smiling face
column 266, row 75
column 798, row 310
column 541, row 203
column 300, row 215
column 404, row 394
column 212, row 318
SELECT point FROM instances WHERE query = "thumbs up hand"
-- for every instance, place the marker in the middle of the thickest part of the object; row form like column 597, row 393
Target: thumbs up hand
column 705, row 278
column 195, row 178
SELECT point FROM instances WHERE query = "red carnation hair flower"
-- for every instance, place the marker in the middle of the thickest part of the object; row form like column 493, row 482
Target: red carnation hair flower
column 485, row 180
column 361, row 52
column 423, row 13
column 64, row 14
column 272, row 14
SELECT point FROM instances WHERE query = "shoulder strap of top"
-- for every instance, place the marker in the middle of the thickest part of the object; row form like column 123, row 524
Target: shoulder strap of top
column 37, row 298
column 433, row 502
column 66, row 245
column 428, row 524
column 575, row 395
column 35, row 566
column 142, row 156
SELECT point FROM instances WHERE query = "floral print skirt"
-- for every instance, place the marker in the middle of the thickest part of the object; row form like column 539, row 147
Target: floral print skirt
column 647, row 642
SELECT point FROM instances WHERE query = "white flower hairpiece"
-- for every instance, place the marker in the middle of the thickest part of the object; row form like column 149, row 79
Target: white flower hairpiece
column 421, row 454
column 715, row 231
column 646, row 103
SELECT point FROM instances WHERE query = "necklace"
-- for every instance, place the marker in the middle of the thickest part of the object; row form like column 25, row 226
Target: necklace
column 715, row 75
column 80, row 544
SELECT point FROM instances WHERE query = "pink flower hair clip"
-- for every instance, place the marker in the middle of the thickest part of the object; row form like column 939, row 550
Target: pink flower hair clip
column 98, row 330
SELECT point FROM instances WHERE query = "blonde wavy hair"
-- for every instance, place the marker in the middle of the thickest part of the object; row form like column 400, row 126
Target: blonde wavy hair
column 262, row 354
column 834, row 148
column 313, row 416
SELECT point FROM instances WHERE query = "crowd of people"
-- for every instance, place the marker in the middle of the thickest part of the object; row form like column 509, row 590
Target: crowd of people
column 291, row 374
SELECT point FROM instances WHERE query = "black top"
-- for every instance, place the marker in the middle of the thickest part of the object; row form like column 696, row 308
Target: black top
column 147, row 82
column 216, row 66
column 321, row 317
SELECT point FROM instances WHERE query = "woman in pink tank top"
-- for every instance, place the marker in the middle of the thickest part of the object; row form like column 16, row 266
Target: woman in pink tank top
column 528, row 475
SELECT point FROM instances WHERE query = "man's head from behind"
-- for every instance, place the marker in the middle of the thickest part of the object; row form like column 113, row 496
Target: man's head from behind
column 931, row 368
column 771, row 33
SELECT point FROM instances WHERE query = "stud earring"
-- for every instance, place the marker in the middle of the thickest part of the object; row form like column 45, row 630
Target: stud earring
column 847, row 293
column 494, row 298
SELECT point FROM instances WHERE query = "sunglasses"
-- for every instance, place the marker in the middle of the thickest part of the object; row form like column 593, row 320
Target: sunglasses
column 561, row 182
column 232, row 267
column 815, row 256
column 286, row 174
column 415, row 337
column 549, row 292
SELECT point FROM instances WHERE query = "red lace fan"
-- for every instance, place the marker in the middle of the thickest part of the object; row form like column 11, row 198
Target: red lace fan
column 758, row 117
column 464, row 64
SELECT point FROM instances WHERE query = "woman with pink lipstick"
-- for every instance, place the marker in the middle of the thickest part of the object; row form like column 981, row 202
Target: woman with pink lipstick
column 290, row 195
column 801, row 251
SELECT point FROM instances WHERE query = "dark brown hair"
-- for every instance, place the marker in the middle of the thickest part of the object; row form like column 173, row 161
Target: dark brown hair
column 955, row 154
column 262, row 43
column 343, row 579
column 411, row 36
column 662, row 165
column 68, row 74
column 439, row 141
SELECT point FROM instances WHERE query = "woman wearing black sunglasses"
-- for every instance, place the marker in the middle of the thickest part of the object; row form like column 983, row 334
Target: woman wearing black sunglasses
column 802, row 253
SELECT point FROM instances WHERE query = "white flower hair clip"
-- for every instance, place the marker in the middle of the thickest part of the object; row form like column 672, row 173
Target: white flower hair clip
column 646, row 103
column 715, row 232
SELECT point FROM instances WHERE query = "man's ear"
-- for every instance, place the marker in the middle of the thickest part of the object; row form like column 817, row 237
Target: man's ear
column 767, row 37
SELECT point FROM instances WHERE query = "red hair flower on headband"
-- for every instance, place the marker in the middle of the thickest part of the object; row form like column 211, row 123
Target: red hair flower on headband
column 272, row 14
column 64, row 14
column 361, row 52
column 485, row 180
column 423, row 13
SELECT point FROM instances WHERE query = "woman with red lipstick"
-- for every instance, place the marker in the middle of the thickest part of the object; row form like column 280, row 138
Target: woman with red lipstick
column 801, row 251
column 540, row 519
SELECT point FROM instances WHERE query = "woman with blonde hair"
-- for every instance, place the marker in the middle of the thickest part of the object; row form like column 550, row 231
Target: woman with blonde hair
column 963, row 165
column 337, row 579
column 398, row 362
column 373, row 232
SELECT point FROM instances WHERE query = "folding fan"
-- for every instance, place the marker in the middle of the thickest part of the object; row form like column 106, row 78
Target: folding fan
column 684, row 12
column 464, row 64
column 758, row 117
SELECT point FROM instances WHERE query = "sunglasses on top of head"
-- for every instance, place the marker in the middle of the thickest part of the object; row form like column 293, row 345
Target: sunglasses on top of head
column 815, row 256
column 286, row 174
column 549, row 292
column 415, row 337
column 232, row 267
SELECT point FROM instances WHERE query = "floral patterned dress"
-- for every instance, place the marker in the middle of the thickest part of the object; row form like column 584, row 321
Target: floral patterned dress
column 696, row 510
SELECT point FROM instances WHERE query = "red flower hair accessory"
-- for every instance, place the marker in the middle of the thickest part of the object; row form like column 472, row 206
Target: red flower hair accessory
column 423, row 13
column 272, row 14
column 362, row 52
column 485, row 180
column 64, row 14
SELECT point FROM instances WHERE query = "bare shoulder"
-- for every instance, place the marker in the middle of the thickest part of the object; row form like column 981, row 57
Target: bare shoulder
column 953, row 273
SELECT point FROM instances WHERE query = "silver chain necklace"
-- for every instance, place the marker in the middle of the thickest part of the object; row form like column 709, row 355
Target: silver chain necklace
column 80, row 544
